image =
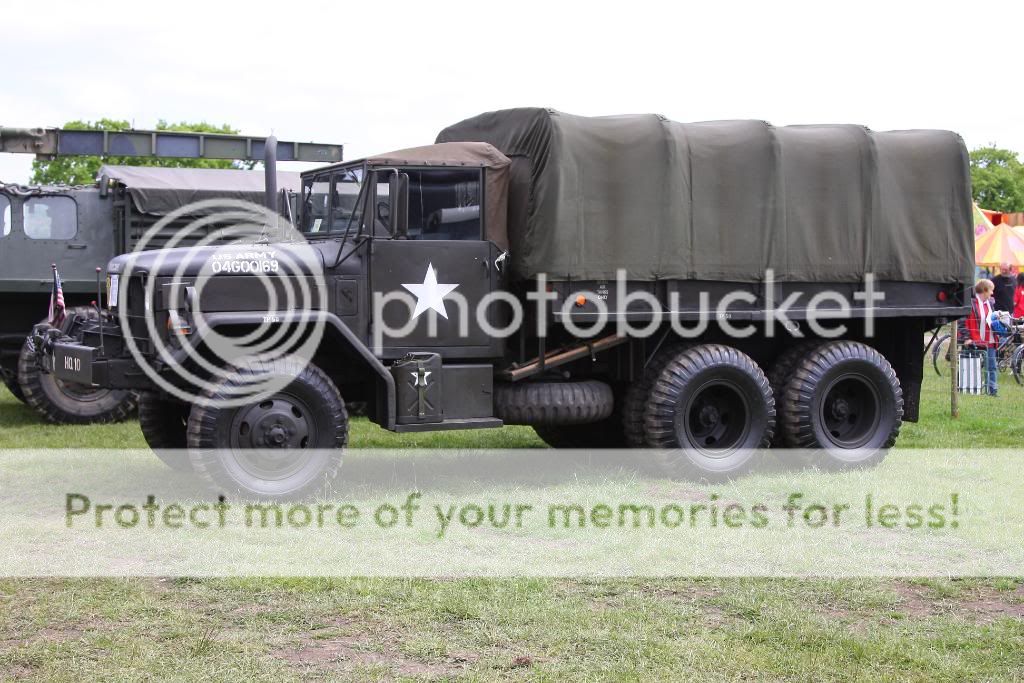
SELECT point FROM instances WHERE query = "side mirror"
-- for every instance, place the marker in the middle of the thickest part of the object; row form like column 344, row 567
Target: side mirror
column 398, row 194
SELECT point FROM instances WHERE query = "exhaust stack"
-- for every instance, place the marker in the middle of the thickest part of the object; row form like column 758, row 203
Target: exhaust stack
column 270, row 172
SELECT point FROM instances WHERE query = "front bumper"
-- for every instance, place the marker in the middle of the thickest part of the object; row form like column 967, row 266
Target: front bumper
column 73, row 361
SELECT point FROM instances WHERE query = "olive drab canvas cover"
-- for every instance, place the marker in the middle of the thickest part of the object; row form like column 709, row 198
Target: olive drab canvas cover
column 727, row 200
column 159, row 191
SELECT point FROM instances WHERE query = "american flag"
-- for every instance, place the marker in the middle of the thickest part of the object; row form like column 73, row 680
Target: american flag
column 56, row 300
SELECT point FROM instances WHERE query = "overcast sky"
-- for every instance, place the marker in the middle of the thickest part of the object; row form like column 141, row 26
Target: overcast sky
column 385, row 75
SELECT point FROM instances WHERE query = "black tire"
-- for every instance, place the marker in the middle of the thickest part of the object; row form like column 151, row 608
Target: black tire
column 11, row 382
column 546, row 403
column 779, row 374
column 844, row 398
column 708, row 410
column 635, row 399
column 68, row 402
column 237, row 450
column 607, row 433
column 164, row 425
column 1017, row 365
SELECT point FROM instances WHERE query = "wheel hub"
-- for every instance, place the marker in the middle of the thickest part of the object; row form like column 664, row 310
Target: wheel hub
column 710, row 415
column 276, row 436
column 716, row 418
column 840, row 408
column 82, row 393
column 277, row 423
column 850, row 411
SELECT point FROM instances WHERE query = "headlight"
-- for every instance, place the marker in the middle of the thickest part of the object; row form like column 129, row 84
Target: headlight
column 112, row 291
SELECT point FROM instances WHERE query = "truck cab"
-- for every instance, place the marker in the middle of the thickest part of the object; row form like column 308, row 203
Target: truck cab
column 413, row 244
column 398, row 254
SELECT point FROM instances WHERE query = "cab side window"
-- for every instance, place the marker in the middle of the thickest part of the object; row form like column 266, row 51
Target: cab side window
column 315, row 198
column 50, row 218
column 346, row 209
column 444, row 204
column 5, row 216
column 382, row 212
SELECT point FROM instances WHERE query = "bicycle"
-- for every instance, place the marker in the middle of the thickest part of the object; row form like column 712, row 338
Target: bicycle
column 1009, row 351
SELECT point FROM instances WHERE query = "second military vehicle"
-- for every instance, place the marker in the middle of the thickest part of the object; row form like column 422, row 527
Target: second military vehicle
column 81, row 228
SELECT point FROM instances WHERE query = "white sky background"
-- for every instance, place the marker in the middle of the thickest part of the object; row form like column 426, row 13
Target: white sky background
column 386, row 75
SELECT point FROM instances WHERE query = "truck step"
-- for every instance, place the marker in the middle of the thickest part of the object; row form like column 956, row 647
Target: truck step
column 469, row 423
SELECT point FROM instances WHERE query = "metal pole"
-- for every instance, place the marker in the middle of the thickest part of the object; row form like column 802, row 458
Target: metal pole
column 954, row 360
column 270, row 172
column 99, row 307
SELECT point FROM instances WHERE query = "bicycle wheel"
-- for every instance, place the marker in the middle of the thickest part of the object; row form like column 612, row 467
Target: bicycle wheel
column 1016, row 363
column 1005, row 356
column 940, row 356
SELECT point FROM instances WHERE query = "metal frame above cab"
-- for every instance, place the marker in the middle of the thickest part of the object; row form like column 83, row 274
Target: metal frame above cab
column 48, row 143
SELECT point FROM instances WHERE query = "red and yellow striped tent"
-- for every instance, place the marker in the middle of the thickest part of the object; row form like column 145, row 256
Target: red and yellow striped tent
column 998, row 246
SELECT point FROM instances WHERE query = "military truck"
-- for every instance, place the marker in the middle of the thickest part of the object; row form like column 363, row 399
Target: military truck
column 783, row 278
column 80, row 228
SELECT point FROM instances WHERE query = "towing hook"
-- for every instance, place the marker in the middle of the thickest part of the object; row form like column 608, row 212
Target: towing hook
column 50, row 337
column 39, row 338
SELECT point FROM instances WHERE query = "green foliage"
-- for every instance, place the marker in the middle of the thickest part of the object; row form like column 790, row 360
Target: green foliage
column 997, row 178
column 83, row 170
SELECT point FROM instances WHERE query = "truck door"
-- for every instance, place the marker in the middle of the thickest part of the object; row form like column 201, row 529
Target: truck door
column 444, row 265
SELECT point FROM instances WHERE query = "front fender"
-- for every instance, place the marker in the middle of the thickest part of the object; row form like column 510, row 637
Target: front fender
column 386, row 382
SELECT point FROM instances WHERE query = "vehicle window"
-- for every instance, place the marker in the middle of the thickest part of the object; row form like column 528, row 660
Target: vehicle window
column 382, row 211
column 315, row 197
column 444, row 204
column 346, row 209
column 50, row 218
column 5, row 216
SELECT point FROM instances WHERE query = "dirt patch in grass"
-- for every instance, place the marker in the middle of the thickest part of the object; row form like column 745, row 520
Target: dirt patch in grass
column 17, row 672
column 982, row 605
column 701, row 599
column 343, row 653
column 678, row 493
column 50, row 635
column 59, row 635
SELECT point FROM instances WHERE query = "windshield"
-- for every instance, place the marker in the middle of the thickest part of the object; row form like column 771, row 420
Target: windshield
column 332, row 202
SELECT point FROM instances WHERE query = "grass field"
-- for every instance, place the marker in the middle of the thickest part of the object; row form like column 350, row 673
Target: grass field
column 524, row 629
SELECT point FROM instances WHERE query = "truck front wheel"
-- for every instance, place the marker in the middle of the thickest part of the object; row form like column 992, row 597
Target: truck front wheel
column 845, row 399
column 710, row 406
column 287, row 445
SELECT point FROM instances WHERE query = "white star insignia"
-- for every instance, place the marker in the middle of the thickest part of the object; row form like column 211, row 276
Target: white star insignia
column 430, row 294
